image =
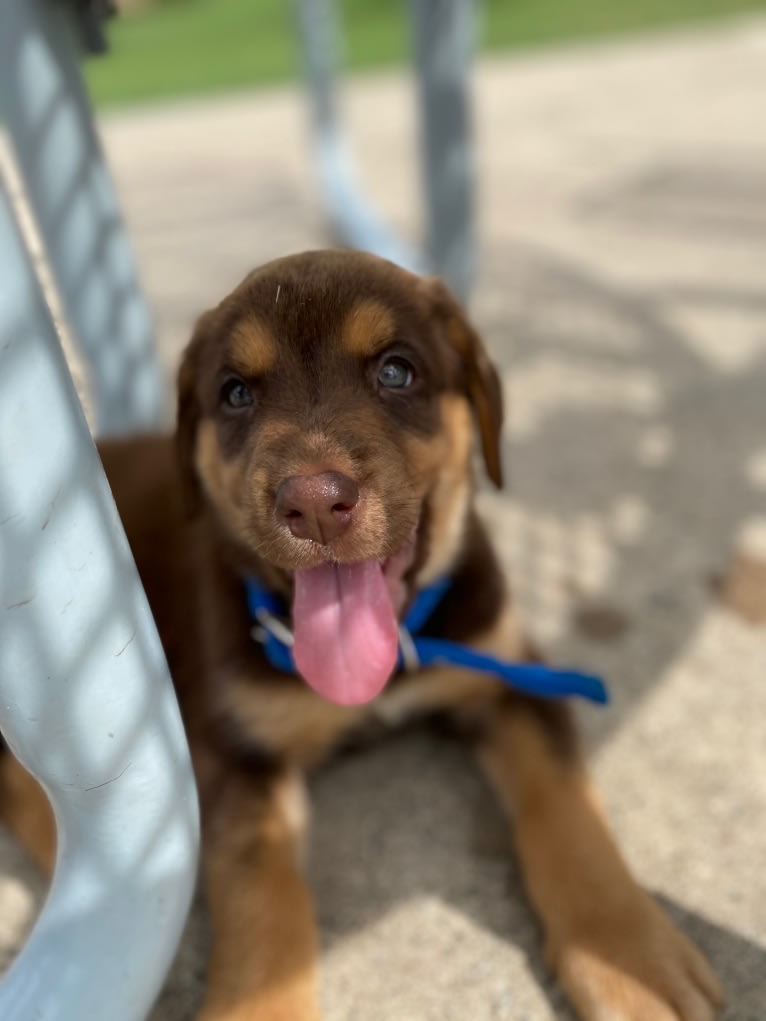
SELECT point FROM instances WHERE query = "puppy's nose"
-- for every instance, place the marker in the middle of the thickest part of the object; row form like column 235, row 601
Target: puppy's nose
column 317, row 507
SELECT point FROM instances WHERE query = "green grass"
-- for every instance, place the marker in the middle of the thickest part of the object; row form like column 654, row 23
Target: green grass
column 185, row 47
column 523, row 23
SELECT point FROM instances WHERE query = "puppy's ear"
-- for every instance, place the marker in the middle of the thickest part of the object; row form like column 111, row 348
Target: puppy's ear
column 189, row 412
column 482, row 383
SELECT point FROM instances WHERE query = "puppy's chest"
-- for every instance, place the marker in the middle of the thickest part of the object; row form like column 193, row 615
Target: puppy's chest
column 280, row 715
column 285, row 718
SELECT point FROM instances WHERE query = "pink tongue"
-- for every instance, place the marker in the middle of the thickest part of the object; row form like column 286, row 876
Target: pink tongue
column 346, row 637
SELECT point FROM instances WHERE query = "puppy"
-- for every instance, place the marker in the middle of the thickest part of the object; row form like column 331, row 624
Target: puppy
column 319, row 484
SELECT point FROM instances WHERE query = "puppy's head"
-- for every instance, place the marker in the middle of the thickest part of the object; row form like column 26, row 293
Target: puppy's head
column 324, row 420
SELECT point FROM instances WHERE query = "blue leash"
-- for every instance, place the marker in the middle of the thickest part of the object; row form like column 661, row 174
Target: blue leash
column 415, row 650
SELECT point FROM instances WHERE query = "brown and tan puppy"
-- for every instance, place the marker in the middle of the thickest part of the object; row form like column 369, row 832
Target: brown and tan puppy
column 324, row 443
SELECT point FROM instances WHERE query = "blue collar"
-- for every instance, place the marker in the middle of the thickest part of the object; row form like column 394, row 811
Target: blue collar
column 417, row 651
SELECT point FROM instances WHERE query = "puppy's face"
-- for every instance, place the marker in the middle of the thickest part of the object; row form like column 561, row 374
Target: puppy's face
column 325, row 417
column 340, row 364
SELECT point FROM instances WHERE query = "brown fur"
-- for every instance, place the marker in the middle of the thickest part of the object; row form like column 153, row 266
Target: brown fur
column 26, row 811
column 306, row 335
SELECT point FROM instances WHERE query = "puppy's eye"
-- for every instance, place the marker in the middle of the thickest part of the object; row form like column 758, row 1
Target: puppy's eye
column 236, row 394
column 395, row 374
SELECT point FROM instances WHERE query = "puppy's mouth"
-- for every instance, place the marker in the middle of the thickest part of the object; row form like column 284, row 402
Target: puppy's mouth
column 346, row 635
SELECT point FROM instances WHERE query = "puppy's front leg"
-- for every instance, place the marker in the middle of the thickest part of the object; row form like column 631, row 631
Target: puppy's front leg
column 617, row 954
column 263, row 959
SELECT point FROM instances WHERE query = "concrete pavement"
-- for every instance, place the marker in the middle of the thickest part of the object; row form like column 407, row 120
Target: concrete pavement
column 622, row 290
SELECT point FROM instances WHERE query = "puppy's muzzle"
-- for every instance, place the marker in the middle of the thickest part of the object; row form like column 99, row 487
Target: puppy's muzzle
column 318, row 507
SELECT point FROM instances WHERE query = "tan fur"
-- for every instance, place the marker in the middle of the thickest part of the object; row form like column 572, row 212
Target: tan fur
column 253, row 350
column 220, row 478
column 452, row 489
column 292, row 718
column 264, row 937
column 368, row 328
column 27, row 811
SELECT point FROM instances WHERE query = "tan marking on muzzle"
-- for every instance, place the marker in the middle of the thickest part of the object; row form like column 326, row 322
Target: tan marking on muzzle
column 221, row 479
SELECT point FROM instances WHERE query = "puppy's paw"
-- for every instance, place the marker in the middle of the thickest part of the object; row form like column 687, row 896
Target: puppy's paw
column 635, row 965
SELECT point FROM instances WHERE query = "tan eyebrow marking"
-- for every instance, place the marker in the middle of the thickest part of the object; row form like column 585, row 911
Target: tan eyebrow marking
column 368, row 328
column 252, row 348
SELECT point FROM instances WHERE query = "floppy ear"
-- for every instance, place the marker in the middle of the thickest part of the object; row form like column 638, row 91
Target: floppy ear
column 482, row 383
column 188, row 415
